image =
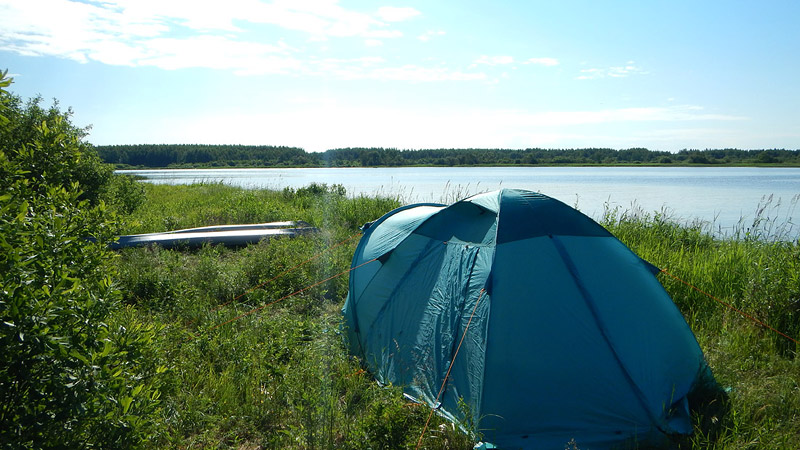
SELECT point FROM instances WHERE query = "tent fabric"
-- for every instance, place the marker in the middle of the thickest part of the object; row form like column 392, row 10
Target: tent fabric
column 572, row 337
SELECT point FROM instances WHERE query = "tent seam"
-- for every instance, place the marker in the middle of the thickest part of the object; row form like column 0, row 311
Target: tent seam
column 573, row 271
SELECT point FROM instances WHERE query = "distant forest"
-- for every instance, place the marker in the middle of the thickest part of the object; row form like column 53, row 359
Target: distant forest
column 202, row 156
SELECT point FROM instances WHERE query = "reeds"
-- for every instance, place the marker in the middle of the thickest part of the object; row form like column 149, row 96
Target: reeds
column 756, row 272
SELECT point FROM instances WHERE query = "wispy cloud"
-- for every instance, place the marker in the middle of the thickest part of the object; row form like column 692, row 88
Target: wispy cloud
column 430, row 34
column 495, row 60
column 501, row 60
column 373, row 69
column 339, row 124
column 424, row 74
column 178, row 34
column 218, row 52
column 642, row 114
column 612, row 72
column 394, row 14
column 542, row 61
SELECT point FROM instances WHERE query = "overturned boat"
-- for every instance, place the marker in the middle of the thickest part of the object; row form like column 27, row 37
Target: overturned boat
column 228, row 235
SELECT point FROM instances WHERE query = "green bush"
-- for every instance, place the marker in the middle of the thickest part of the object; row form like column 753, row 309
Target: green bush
column 51, row 150
column 76, row 370
column 124, row 194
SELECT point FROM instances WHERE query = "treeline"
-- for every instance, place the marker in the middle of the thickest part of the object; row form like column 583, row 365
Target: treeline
column 183, row 155
column 489, row 157
column 191, row 155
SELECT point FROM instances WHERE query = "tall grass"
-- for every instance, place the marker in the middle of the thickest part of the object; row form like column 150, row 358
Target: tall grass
column 174, row 207
column 281, row 377
column 761, row 278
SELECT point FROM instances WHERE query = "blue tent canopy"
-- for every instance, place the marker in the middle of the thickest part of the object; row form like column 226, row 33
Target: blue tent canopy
column 572, row 335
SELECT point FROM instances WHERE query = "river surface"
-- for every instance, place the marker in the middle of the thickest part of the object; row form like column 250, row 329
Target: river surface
column 727, row 200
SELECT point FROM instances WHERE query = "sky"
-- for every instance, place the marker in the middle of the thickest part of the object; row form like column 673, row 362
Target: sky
column 322, row 74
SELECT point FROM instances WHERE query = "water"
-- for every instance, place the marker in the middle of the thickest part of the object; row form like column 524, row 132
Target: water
column 725, row 199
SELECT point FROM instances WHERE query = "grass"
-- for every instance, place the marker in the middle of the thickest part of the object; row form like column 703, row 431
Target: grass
column 758, row 367
column 278, row 378
column 281, row 377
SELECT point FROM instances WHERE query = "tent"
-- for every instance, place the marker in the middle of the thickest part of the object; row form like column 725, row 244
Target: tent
column 570, row 336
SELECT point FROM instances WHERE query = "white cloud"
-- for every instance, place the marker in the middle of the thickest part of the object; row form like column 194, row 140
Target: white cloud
column 338, row 124
column 241, row 36
column 383, row 34
column 643, row 114
column 612, row 72
column 371, row 68
column 394, row 14
column 116, row 53
column 428, row 35
column 542, row 61
column 495, row 60
column 422, row 74
column 196, row 15
column 184, row 33
column 344, row 68
column 315, row 17
column 217, row 52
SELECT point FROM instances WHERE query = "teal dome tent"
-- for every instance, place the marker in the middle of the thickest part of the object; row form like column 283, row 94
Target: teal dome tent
column 571, row 335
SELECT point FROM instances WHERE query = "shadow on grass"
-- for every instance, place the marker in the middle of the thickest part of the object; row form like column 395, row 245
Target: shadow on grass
column 710, row 408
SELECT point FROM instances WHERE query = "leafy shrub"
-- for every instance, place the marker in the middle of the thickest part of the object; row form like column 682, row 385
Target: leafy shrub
column 51, row 150
column 124, row 194
column 74, row 374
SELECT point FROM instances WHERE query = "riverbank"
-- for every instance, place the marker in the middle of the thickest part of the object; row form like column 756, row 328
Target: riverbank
column 249, row 365
column 727, row 201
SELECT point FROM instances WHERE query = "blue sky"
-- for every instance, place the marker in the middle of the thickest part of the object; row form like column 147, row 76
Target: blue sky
column 322, row 74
